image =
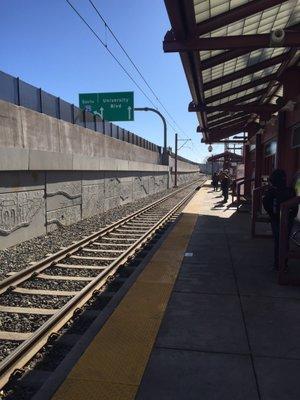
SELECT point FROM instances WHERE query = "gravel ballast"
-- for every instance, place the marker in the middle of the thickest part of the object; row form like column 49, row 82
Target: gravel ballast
column 18, row 257
column 44, row 284
column 7, row 346
column 33, row 300
column 72, row 272
column 92, row 263
column 14, row 322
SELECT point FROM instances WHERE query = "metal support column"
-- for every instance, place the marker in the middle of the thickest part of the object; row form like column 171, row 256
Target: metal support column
column 258, row 159
column 281, row 151
column 247, row 172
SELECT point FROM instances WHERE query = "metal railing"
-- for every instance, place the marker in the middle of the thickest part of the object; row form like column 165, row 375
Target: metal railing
column 20, row 93
column 257, row 209
column 284, row 251
column 234, row 188
column 239, row 185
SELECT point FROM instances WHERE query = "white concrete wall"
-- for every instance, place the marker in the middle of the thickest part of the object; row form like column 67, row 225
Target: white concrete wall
column 39, row 141
column 53, row 173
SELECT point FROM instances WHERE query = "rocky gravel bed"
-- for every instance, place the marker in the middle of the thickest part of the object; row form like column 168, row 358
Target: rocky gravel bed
column 96, row 263
column 109, row 246
column 7, row 346
column 21, row 322
column 33, row 300
column 103, row 254
column 72, row 271
column 54, row 285
column 18, row 257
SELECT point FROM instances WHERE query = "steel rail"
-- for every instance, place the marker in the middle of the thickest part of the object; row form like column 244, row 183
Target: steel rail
column 27, row 350
column 52, row 259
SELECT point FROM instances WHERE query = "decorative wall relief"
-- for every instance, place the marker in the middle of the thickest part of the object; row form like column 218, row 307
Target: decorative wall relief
column 63, row 217
column 138, row 190
column 112, row 187
column 63, row 194
column 92, row 200
column 69, row 189
column 17, row 210
column 160, row 183
column 113, row 202
column 151, row 184
column 126, row 191
column 145, row 185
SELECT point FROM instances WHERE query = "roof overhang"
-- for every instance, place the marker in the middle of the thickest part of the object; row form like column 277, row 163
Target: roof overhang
column 233, row 57
column 228, row 156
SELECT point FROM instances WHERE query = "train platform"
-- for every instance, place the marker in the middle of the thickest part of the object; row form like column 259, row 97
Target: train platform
column 204, row 319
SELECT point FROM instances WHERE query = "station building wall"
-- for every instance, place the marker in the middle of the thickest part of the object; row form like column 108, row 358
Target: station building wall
column 54, row 173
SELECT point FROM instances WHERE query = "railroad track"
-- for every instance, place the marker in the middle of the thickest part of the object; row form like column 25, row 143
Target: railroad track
column 69, row 278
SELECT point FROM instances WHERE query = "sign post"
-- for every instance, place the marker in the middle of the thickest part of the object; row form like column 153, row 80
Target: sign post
column 118, row 106
column 163, row 120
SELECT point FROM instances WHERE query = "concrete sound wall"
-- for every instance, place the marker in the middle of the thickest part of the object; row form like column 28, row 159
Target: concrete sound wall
column 54, row 173
column 35, row 203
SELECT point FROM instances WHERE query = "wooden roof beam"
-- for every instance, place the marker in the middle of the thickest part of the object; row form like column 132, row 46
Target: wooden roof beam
column 252, row 107
column 238, row 89
column 223, row 57
column 228, row 117
column 243, row 72
column 229, row 120
column 249, row 42
column 218, row 116
column 232, row 125
column 182, row 18
column 226, row 133
column 195, row 107
column 288, row 59
column 236, row 14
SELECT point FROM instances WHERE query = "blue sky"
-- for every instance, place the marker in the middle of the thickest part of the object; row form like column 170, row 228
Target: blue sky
column 46, row 44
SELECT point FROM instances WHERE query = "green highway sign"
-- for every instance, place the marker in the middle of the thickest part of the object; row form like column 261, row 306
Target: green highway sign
column 109, row 106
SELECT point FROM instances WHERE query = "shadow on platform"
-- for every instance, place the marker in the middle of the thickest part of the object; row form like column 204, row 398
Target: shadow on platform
column 230, row 331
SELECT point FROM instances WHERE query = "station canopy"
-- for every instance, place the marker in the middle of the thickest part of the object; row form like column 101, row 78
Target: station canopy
column 227, row 155
column 233, row 53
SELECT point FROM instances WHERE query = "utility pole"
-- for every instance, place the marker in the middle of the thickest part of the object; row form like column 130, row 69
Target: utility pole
column 176, row 155
column 176, row 151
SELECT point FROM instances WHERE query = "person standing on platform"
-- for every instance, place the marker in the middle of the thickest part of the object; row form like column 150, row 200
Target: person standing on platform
column 278, row 193
column 225, row 184
column 215, row 181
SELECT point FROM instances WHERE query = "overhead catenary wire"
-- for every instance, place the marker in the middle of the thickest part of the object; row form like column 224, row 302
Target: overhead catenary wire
column 134, row 65
column 113, row 56
column 105, row 45
column 120, row 64
column 110, row 52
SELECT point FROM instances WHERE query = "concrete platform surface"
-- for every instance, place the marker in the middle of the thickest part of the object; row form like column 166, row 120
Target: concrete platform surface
column 229, row 331
column 204, row 320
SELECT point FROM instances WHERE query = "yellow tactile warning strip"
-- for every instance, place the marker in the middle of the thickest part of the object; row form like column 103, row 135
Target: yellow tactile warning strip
column 113, row 365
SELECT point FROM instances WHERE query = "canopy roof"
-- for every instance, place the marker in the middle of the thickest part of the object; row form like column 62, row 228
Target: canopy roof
column 233, row 53
column 226, row 155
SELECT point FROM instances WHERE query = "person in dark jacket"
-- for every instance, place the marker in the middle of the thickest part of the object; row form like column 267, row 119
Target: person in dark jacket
column 215, row 181
column 225, row 184
column 278, row 193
